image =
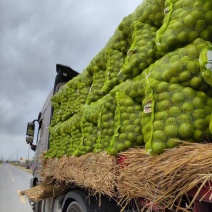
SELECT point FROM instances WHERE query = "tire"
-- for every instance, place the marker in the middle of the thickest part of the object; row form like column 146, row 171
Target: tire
column 78, row 201
column 74, row 207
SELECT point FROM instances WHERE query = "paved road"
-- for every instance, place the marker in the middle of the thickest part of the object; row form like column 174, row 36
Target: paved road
column 13, row 180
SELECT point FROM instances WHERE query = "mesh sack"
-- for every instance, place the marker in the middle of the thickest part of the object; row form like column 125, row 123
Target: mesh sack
column 72, row 95
column 185, row 20
column 126, row 27
column 78, row 89
column 95, row 89
column 118, row 42
column 146, row 115
column 59, row 103
column 151, row 12
column 106, row 123
column 112, row 77
column 77, row 92
column 56, row 102
column 136, row 89
column 84, row 77
column 142, row 52
column 82, row 94
column 120, row 87
column 74, row 129
column 59, row 141
column 69, row 99
column 89, row 129
column 181, row 66
column 92, row 112
column 98, row 62
column 65, row 137
column 127, row 125
column 98, row 69
column 177, row 113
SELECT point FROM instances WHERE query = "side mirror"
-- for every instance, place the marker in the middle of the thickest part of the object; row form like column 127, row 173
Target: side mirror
column 29, row 139
column 30, row 132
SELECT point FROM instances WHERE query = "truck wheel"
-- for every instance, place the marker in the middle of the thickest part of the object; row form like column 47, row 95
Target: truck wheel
column 74, row 207
column 78, row 201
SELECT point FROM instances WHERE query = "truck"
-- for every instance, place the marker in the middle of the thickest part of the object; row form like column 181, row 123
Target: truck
column 132, row 132
column 78, row 199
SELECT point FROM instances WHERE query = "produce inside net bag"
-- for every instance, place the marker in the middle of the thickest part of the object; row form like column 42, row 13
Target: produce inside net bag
column 185, row 20
column 178, row 101
column 127, row 124
column 182, row 66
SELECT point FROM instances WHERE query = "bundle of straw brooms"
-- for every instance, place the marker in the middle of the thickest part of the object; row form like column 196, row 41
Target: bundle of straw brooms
column 161, row 179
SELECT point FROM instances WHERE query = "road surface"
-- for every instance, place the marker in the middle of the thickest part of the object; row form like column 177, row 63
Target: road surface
column 12, row 181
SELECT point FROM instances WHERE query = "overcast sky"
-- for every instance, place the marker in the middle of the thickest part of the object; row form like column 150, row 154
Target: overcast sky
column 35, row 35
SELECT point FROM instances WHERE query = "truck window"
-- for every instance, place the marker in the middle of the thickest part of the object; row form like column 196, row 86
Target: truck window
column 39, row 133
column 59, row 87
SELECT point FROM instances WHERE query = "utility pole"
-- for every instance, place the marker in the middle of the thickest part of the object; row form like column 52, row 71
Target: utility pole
column 17, row 155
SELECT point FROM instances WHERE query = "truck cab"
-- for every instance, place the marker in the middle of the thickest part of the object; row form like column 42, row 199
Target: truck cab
column 37, row 135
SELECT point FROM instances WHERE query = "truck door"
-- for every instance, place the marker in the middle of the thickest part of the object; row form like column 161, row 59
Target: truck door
column 42, row 136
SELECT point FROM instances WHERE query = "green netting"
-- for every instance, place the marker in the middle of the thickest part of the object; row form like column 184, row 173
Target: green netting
column 134, row 88
column 106, row 123
column 88, row 140
column 118, row 42
column 89, row 129
column 82, row 94
column 143, row 51
column 59, row 103
column 95, row 89
column 56, row 102
column 121, row 87
column 185, row 21
column 92, row 112
column 70, row 107
column 151, row 12
column 206, row 64
column 126, row 27
column 74, row 128
column 114, row 64
column 98, row 62
column 71, row 97
column 98, row 69
column 59, row 141
column 76, row 96
column 127, row 125
column 181, row 66
column 177, row 113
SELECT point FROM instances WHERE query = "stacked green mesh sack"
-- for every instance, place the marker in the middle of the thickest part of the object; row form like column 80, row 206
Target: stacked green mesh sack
column 185, row 20
column 181, row 102
column 151, row 85
column 67, row 101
